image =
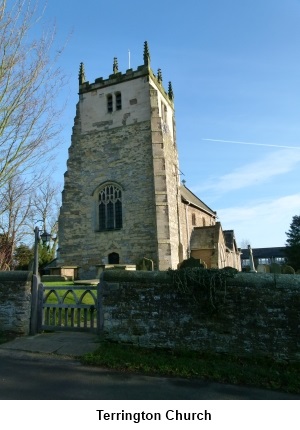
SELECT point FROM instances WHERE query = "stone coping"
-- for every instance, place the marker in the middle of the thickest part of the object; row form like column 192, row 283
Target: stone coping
column 141, row 276
column 14, row 275
column 240, row 279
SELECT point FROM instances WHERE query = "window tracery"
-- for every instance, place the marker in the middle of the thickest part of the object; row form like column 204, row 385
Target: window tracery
column 110, row 208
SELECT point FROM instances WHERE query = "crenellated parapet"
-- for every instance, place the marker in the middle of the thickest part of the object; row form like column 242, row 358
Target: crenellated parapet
column 117, row 76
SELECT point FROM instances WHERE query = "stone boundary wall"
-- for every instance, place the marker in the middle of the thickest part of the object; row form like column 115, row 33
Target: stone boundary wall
column 15, row 302
column 259, row 314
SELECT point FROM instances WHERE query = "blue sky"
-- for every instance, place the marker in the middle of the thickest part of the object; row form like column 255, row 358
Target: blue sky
column 235, row 71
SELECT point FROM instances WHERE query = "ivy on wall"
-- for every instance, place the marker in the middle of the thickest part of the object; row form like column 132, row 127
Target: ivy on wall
column 207, row 287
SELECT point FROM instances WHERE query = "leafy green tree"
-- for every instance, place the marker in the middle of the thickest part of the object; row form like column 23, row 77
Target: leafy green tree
column 22, row 257
column 293, row 243
column 45, row 255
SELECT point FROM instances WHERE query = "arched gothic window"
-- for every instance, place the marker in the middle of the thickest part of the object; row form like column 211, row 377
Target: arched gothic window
column 110, row 208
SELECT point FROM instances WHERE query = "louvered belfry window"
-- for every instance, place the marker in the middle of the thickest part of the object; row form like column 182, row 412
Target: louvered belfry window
column 109, row 103
column 118, row 101
column 110, row 208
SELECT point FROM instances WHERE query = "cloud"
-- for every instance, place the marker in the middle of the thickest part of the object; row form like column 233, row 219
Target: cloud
column 264, row 223
column 277, row 163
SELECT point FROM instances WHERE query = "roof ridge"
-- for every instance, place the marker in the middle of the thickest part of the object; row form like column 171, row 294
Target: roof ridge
column 183, row 187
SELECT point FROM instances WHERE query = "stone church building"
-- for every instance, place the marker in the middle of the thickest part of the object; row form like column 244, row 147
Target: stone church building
column 122, row 198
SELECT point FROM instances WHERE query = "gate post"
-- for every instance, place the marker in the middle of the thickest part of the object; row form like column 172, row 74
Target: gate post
column 100, row 316
column 34, row 302
column 40, row 302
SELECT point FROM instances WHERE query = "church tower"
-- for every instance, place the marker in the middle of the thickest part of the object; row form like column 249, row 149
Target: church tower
column 121, row 193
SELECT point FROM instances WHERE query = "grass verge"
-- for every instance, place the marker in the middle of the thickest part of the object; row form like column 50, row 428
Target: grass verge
column 259, row 372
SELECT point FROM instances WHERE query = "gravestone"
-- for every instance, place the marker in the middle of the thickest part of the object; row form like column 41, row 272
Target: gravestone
column 145, row 264
column 263, row 268
column 287, row 270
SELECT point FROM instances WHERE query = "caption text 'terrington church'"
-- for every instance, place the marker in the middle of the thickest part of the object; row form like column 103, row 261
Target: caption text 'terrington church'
column 137, row 417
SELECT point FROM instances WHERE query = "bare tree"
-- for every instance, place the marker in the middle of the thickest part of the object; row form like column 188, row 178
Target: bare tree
column 244, row 243
column 23, row 205
column 29, row 83
column 46, row 204
column 15, row 202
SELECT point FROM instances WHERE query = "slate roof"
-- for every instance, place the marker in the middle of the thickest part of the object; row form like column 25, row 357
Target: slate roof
column 51, row 264
column 276, row 252
column 188, row 197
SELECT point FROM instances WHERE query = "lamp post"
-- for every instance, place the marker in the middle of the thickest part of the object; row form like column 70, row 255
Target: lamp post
column 45, row 238
column 35, row 279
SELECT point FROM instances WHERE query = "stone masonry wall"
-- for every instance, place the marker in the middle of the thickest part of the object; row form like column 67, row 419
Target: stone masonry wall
column 260, row 314
column 15, row 302
column 129, row 164
column 133, row 149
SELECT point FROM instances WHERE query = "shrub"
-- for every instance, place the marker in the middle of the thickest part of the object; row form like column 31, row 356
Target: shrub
column 192, row 262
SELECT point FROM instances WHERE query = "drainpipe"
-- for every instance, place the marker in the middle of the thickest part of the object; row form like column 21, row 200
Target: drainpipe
column 180, row 248
column 187, row 231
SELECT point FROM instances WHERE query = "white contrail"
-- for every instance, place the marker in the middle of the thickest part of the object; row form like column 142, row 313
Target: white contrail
column 251, row 143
